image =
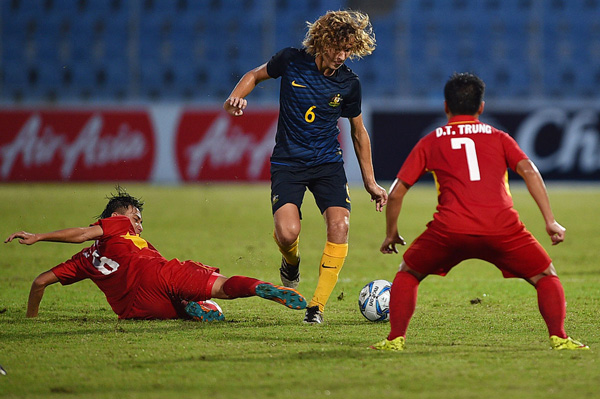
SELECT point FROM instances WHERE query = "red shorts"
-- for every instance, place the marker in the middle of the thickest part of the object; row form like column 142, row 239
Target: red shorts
column 160, row 297
column 516, row 255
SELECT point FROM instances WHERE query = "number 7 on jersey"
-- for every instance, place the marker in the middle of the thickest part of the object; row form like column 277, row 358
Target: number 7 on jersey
column 472, row 164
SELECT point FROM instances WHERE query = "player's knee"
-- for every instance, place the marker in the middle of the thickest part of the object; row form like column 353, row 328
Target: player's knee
column 287, row 237
column 406, row 269
column 217, row 290
column 287, row 225
column 337, row 230
column 550, row 271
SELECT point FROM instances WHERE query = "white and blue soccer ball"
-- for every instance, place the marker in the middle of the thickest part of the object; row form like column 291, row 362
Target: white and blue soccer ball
column 374, row 300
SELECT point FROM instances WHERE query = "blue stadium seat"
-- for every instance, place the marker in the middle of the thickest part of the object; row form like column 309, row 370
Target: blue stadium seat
column 16, row 76
column 49, row 80
column 427, row 81
column 291, row 17
column 60, row 49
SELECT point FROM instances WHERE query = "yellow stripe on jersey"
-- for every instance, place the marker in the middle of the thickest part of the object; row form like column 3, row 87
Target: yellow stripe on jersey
column 137, row 240
column 506, row 186
column 437, row 184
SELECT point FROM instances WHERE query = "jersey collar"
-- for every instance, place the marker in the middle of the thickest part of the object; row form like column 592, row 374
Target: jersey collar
column 460, row 119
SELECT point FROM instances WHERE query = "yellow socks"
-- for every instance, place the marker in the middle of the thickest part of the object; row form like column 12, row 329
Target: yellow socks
column 332, row 261
column 290, row 253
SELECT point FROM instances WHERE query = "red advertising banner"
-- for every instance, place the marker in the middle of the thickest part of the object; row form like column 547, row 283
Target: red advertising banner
column 214, row 146
column 75, row 145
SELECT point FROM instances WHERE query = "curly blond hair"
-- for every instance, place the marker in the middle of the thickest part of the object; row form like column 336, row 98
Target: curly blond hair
column 337, row 29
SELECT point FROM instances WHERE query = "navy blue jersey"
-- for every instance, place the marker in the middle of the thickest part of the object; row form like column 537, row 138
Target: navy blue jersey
column 310, row 105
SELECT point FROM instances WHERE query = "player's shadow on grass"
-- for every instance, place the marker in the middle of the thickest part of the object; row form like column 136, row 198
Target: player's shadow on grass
column 317, row 352
column 64, row 324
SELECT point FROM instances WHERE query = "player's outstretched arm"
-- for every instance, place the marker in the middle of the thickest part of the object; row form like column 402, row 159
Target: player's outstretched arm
column 236, row 102
column 394, row 206
column 74, row 235
column 535, row 184
column 37, row 291
column 362, row 148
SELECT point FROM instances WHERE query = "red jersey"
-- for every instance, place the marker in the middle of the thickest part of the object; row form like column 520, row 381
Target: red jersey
column 469, row 162
column 121, row 263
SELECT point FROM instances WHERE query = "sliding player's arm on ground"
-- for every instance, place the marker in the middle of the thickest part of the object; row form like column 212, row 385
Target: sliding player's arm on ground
column 36, row 293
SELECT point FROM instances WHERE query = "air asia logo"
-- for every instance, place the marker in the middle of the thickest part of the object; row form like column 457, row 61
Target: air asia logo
column 75, row 145
column 211, row 145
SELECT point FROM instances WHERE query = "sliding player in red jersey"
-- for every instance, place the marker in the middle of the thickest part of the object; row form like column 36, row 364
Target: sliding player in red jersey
column 139, row 283
column 475, row 217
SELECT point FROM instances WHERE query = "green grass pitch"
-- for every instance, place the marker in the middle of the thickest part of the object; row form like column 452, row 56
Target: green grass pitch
column 495, row 348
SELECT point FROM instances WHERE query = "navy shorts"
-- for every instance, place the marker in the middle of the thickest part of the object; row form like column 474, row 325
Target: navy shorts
column 327, row 182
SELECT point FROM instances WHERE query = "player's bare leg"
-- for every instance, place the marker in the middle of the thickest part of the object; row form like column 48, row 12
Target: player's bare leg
column 286, row 235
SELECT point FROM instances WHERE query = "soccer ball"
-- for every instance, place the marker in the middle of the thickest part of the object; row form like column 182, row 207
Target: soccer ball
column 374, row 300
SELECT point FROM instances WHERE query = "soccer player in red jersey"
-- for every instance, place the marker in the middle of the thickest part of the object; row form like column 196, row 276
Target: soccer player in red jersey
column 475, row 217
column 139, row 283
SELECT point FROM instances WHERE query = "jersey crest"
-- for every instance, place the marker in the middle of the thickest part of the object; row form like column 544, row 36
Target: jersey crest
column 336, row 100
column 137, row 240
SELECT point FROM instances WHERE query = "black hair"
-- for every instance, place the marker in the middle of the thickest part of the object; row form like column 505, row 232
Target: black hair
column 119, row 203
column 464, row 93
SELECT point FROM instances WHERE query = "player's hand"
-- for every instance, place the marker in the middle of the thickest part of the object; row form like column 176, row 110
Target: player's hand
column 556, row 232
column 389, row 244
column 24, row 238
column 235, row 106
column 379, row 195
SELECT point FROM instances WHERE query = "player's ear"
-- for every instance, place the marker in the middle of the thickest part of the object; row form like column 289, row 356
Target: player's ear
column 481, row 107
column 446, row 109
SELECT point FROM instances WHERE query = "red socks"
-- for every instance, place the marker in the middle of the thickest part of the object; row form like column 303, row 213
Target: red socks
column 551, row 301
column 403, row 301
column 240, row 286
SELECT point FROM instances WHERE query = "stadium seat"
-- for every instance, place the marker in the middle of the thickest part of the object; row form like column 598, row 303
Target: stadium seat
column 60, row 49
